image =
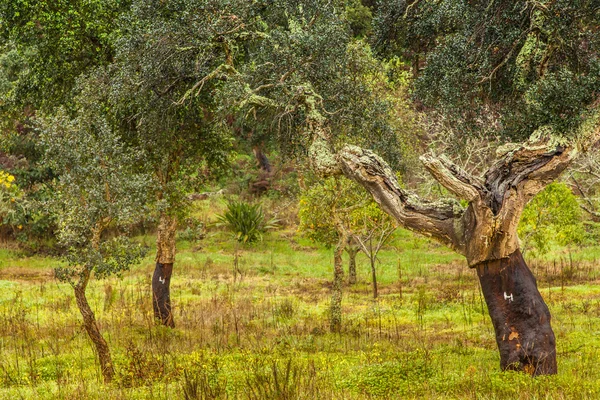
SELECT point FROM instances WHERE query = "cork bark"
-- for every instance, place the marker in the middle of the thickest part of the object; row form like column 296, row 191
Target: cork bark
column 161, row 279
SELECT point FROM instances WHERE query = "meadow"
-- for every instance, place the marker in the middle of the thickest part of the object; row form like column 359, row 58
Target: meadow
column 252, row 323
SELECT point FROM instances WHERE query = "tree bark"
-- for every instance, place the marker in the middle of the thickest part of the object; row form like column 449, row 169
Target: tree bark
column 335, row 311
column 261, row 158
column 520, row 317
column 374, row 274
column 91, row 327
column 352, row 252
column 161, row 280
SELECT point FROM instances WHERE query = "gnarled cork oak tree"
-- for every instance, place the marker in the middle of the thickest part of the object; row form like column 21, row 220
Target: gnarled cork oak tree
column 485, row 231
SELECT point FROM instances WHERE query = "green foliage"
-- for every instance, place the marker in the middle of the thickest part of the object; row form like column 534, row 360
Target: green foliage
column 552, row 217
column 97, row 188
column 22, row 212
column 246, row 220
column 360, row 18
column 331, row 202
column 57, row 41
column 170, row 61
column 514, row 65
column 308, row 58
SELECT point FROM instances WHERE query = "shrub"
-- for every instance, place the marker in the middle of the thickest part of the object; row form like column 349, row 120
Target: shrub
column 246, row 220
column 553, row 216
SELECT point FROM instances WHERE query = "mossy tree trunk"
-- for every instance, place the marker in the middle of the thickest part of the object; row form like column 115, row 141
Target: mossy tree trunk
column 161, row 280
column 335, row 311
column 352, row 251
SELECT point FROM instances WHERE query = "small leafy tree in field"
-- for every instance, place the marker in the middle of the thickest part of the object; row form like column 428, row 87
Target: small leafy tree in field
column 336, row 212
column 553, row 216
column 373, row 230
column 97, row 189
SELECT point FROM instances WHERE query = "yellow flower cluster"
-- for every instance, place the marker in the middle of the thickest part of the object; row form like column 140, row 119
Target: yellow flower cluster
column 6, row 179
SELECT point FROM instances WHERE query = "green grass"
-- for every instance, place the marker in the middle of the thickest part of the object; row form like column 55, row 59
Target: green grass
column 239, row 331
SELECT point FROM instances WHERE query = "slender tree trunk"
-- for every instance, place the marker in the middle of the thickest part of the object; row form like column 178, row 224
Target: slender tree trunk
column 335, row 320
column 520, row 317
column 374, row 274
column 91, row 327
column 161, row 280
column 352, row 252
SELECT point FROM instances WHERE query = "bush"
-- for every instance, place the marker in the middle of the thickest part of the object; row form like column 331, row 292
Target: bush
column 552, row 216
column 246, row 220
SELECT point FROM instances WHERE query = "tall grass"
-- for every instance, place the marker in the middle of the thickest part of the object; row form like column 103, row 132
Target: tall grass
column 253, row 324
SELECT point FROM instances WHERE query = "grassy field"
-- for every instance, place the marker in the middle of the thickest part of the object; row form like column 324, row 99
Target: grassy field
column 258, row 329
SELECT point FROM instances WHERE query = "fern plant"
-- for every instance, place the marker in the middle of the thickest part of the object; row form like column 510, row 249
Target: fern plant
column 246, row 220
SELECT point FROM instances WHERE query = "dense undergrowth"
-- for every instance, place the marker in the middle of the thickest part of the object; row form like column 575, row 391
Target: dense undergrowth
column 255, row 327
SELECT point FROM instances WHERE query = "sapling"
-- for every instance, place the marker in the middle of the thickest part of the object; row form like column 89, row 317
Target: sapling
column 99, row 194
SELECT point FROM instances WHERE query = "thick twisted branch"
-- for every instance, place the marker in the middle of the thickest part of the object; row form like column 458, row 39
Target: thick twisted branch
column 453, row 178
column 435, row 219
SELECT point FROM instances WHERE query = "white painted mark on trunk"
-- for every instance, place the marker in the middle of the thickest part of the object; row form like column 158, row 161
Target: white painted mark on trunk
column 507, row 297
column 163, row 280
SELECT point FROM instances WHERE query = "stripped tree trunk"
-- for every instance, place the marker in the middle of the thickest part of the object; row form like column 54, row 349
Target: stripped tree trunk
column 519, row 315
column 161, row 280
column 91, row 327
column 352, row 252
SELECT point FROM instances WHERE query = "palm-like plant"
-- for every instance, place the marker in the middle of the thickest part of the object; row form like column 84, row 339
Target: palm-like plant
column 246, row 220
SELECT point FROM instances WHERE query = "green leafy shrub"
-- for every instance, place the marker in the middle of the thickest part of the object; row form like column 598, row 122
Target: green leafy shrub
column 551, row 217
column 246, row 220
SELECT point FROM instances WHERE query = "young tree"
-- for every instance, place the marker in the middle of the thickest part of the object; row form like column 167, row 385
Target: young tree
column 320, row 223
column 336, row 213
column 372, row 233
column 325, row 217
column 97, row 188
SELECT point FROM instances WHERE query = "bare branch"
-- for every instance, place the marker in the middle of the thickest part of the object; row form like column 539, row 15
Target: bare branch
column 434, row 219
column 453, row 178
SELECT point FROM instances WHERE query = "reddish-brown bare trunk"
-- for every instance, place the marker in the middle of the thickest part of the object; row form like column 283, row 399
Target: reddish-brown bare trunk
column 520, row 317
column 161, row 291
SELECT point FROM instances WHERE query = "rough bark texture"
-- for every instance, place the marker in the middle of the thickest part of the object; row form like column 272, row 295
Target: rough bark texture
column 520, row 317
column 352, row 252
column 335, row 311
column 486, row 229
column 91, row 327
column 261, row 158
column 161, row 280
